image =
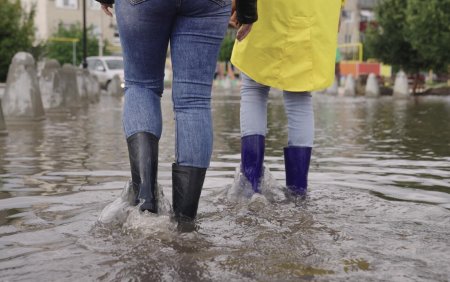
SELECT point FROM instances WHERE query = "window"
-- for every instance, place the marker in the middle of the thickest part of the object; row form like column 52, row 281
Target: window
column 347, row 16
column 114, row 64
column 95, row 65
column 348, row 38
column 67, row 4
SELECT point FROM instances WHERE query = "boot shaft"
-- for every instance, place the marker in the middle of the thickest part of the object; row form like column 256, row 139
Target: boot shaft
column 187, row 186
column 143, row 153
column 296, row 161
column 252, row 158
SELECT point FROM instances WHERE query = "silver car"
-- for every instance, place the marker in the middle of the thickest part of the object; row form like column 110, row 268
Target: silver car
column 105, row 68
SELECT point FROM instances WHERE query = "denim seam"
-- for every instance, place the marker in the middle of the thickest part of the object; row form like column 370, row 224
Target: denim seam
column 137, row 131
column 154, row 84
column 221, row 3
column 157, row 90
column 176, row 140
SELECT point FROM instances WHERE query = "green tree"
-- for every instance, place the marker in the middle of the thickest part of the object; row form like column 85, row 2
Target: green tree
column 227, row 46
column 413, row 35
column 63, row 51
column 428, row 30
column 16, row 32
column 389, row 41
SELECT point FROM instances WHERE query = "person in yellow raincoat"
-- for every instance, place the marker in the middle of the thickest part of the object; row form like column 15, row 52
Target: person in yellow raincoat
column 289, row 45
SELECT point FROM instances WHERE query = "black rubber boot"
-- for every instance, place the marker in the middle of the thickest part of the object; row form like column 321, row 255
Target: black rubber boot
column 187, row 186
column 143, row 151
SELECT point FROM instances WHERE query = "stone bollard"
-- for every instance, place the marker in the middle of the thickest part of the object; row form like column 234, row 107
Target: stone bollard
column 350, row 87
column 93, row 88
column 114, row 87
column 2, row 122
column 2, row 90
column 50, row 85
column 69, row 86
column 401, row 88
column 81, row 83
column 40, row 66
column 333, row 89
column 372, row 86
column 22, row 100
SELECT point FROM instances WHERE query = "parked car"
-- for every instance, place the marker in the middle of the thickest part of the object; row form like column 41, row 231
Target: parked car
column 105, row 68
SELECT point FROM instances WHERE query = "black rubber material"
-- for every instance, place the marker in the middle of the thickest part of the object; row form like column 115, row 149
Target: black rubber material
column 187, row 186
column 143, row 152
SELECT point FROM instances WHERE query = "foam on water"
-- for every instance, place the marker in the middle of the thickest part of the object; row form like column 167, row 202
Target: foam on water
column 121, row 213
column 241, row 190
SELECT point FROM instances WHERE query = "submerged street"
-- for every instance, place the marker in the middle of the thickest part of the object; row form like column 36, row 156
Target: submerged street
column 378, row 205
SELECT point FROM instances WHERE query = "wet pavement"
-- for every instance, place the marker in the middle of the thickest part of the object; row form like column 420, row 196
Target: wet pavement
column 378, row 207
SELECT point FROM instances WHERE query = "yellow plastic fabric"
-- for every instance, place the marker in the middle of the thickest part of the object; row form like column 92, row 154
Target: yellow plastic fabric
column 292, row 46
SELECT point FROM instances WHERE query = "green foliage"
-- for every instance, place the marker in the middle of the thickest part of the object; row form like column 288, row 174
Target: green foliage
column 226, row 48
column 412, row 34
column 16, row 32
column 63, row 51
column 389, row 42
column 428, row 30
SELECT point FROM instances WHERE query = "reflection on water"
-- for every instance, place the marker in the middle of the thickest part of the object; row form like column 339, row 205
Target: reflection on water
column 378, row 207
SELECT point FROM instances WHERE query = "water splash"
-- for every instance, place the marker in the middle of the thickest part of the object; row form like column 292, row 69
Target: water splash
column 129, row 217
column 241, row 189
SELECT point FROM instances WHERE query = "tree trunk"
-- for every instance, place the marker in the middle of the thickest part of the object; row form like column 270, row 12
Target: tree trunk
column 416, row 82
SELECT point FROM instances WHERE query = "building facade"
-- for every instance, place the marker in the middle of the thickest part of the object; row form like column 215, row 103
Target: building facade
column 356, row 16
column 51, row 13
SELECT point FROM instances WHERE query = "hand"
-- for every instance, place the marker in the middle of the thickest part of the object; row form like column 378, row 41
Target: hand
column 105, row 8
column 243, row 31
column 233, row 20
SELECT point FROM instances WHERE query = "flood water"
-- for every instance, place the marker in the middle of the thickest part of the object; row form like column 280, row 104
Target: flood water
column 378, row 207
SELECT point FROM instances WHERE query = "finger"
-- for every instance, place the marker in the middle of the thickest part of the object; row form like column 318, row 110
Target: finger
column 108, row 12
column 240, row 34
column 233, row 21
column 243, row 32
column 105, row 9
column 233, row 17
column 232, row 24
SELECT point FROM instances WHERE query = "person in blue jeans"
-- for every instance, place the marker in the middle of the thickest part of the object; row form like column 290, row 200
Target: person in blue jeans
column 195, row 29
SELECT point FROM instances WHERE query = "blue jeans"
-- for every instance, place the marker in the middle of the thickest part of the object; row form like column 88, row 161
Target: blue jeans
column 195, row 29
column 298, row 107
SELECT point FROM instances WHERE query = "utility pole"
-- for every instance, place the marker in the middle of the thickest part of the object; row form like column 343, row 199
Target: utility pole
column 100, row 37
column 84, row 35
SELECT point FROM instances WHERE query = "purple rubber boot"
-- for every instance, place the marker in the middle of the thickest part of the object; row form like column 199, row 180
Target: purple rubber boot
column 252, row 158
column 296, row 162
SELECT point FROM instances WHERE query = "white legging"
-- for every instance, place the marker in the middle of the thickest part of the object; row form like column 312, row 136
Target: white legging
column 298, row 107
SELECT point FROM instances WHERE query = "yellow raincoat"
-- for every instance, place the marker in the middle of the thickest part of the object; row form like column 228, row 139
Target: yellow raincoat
column 292, row 46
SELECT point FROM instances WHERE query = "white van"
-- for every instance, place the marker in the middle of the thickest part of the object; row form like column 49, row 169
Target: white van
column 105, row 68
